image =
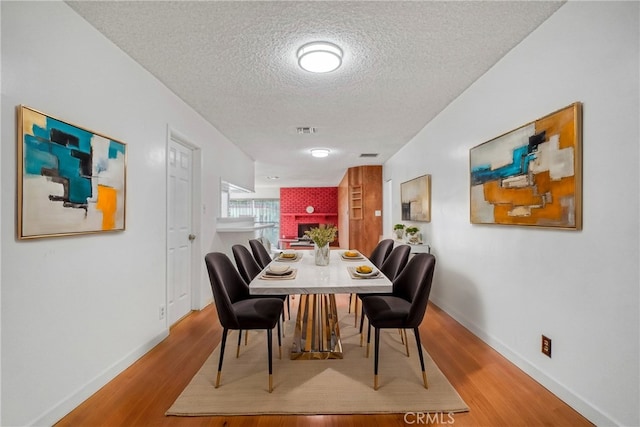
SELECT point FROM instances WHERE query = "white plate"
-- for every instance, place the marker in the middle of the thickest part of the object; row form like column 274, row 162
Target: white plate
column 373, row 273
column 278, row 269
column 344, row 254
column 290, row 255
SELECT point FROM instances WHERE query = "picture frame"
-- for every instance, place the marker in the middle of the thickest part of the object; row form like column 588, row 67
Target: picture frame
column 532, row 175
column 415, row 199
column 70, row 180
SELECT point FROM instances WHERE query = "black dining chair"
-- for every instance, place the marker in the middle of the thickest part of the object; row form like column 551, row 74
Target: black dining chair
column 249, row 268
column 392, row 266
column 247, row 265
column 381, row 252
column 239, row 310
column 377, row 258
column 260, row 252
column 404, row 308
column 263, row 259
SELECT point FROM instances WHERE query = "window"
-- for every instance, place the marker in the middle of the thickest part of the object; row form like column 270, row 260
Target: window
column 263, row 210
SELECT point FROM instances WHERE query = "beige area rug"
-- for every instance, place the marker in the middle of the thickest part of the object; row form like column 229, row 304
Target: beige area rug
column 313, row 387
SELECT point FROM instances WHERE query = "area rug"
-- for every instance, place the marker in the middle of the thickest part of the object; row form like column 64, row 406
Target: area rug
column 314, row 387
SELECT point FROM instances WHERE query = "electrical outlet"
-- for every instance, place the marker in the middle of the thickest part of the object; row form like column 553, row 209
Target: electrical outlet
column 161, row 312
column 546, row 346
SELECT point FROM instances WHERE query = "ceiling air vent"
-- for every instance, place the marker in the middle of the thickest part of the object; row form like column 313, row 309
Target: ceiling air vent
column 306, row 130
column 369, row 155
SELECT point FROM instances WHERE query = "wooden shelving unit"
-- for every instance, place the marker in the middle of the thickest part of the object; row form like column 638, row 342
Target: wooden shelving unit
column 355, row 202
column 360, row 208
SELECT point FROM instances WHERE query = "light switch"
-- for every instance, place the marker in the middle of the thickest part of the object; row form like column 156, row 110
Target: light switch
column 378, row 213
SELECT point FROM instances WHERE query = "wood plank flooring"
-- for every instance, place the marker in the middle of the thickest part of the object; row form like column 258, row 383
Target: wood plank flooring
column 497, row 392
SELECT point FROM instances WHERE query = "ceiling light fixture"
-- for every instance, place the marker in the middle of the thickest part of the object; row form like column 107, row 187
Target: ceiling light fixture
column 273, row 177
column 320, row 152
column 319, row 57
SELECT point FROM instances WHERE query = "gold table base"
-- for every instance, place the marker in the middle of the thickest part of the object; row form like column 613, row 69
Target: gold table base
column 317, row 333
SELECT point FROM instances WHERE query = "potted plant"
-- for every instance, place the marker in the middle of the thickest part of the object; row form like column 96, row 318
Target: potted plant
column 322, row 236
column 399, row 230
column 412, row 234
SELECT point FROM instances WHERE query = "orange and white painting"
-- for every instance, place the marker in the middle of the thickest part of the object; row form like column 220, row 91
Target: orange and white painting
column 71, row 180
column 531, row 175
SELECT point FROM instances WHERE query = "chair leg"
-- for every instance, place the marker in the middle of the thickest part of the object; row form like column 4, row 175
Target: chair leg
column 368, row 338
column 284, row 319
column 424, row 373
column 403, row 332
column 376, row 352
column 279, row 343
column 288, row 307
column 269, row 343
column 224, row 341
column 355, row 312
column 349, row 306
column 361, row 325
column 239, row 341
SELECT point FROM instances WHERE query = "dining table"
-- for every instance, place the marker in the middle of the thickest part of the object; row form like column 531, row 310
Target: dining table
column 317, row 331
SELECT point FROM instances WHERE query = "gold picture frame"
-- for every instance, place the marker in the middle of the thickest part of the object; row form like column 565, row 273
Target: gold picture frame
column 415, row 199
column 70, row 180
column 532, row 175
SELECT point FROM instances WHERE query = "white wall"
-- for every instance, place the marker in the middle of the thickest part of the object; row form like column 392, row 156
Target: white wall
column 77, row 310
column 509, row 285
column 259, row 193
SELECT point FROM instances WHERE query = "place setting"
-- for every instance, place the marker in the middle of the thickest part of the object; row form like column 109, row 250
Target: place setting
column 288, row 256
column 351, row 255
column 278, row 272
column 363, row 272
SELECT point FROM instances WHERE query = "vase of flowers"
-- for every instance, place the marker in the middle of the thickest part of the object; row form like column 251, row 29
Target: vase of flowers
column 399, row 230
column 321, row 237
column 412, row 235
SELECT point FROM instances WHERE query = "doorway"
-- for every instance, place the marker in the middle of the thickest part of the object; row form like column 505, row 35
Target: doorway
column 181, row 230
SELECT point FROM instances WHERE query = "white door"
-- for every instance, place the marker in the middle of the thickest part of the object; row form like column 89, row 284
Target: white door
column 179, row 232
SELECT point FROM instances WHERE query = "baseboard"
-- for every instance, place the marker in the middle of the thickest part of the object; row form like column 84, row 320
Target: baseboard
column 66, row 405
column 572, row 399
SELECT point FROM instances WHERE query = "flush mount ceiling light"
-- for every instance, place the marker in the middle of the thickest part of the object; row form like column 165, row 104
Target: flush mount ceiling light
column 320, row 152
column 319, row 57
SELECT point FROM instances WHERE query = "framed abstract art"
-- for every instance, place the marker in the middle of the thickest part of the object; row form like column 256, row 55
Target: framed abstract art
column 531, row 176
column 415, row 198
column 70, row 180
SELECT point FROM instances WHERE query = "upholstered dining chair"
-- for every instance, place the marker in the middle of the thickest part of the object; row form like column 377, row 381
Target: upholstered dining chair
column 404, row 308
column 259, row 252
column 249, row 268
column 263, row 259
column 377, row 257
column 238, row 309
column 381, row 252
column 247, row 265
column 391, row 267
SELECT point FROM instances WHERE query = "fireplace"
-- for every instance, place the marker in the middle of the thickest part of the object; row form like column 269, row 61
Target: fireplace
column 305, row 227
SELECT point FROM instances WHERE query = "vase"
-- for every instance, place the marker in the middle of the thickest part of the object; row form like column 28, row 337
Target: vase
column 322, row 254
column 399, row 234
column 413, row 239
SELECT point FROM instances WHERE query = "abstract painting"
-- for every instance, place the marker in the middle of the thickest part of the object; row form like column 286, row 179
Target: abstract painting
column 70, row 180
column 531, row 176
column 415, row 198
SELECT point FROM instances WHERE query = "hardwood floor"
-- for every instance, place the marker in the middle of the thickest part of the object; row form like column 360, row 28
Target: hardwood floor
column 497, row 392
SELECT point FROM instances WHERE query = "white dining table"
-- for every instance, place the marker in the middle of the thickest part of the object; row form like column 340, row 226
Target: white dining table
column 317, row 332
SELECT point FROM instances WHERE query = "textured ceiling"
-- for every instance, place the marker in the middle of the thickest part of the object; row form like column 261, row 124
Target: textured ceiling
column 235, row 63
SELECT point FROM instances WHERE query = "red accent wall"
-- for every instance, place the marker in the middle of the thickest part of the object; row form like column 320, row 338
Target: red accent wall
column 294, row 202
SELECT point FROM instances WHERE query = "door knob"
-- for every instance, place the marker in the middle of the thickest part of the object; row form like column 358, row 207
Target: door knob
column 192, row 237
